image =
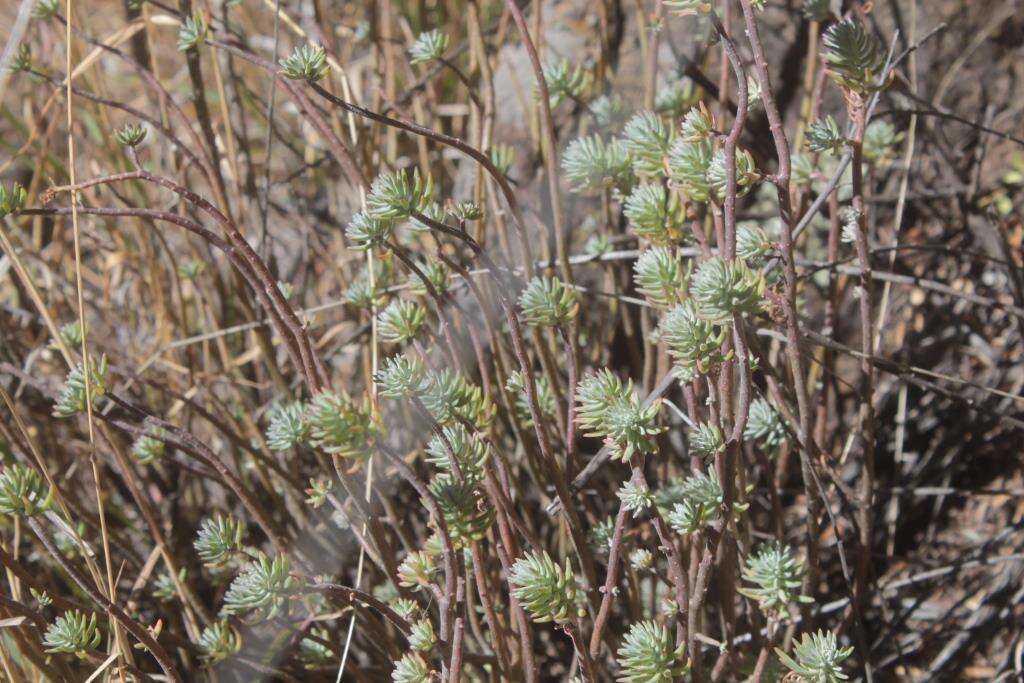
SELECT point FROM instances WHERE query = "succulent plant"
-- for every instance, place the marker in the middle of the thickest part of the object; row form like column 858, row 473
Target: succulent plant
column 400, row 321
column 422, row 636
column 23, row 491
column 635, row 497
column 46, row 9
column 817, row 658
column 405, row 607
column 654, row 213
column 641, row 559
column 592, row 165
column 746, row 173
column 151, row 446
column 548, row 302
column 564, row 82
column 398, row 195
column 369, row 232
column 723, row 288
column 164, row 587
column 429, row 46
column 688, row 164
column 262, row 588
column 545, row 397
column 131, row 135
column 191, row 33
column 609, row 111
column 341, row 427
column 411, row 669
column 72, row 398
column 824, row 136
column 659, row 276
column 73, row 632
column 611, row 409
column 451, row 398
column 288, row 427
column 776, row 577
column 467, row 516
column 600, row 535
column 306, row 63
column 417, row 570
column 817, row 10
column 698, row 499
column 853, row 55
column 220, row 539
column 647, row 140
column 402, row 377
column 676, row 98
column 546, row 590
column 70, row 335
column 694, row 342
column 471, row 452
column 648, row 655
column 312, row 652
column 706, row 440
column 503, row 156
column 765, row 426
column 698, row 125
column 880, row 140
column 753, row 244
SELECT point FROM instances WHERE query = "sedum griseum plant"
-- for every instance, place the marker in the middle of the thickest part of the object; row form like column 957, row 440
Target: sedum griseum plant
column 546, row 590
column 455, row 313
column 817, row 658
column 649, row 655
column 73, row 632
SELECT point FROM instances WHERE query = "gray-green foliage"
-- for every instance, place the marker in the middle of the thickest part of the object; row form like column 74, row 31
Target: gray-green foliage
column 775, row 576
column 429, row 46
column 471, row 452
column 647, row 140
column 648, row 655
column 654, row 213
column 689, row 163
column 261, row 588
column 400, row 321
column 399, row 195
column 151, row 446
column 765, row 426
column 817, row 658
column 659, row 276
column 220, row 539
column 288, row 427
column 72, row 398
column 723, row 288
column 548, row 302
column 564, row 81
column 706, row 440
column 465, row 513
column 695, row 343
column 23, row 491
column 696, row 501
column 853, row 55
column 823, row 136
column 305, row 63
column 338, row 425
column 546, row 590
column 411, row 669
column 613, row 410
column 591, row 164
column 73, row 632
column 219, row 641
